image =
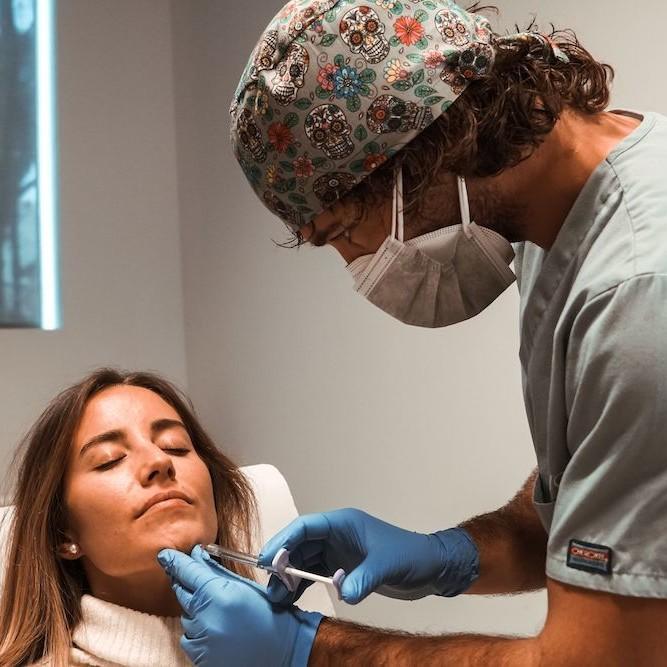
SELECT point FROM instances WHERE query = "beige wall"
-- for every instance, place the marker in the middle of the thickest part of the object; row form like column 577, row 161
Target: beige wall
column 285, row 363
column 121, row 261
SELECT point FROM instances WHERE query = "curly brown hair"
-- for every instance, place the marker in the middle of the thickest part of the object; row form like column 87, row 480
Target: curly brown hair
column 498, row 121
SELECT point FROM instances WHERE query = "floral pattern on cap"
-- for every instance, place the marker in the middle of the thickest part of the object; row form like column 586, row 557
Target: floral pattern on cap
column 334, row 88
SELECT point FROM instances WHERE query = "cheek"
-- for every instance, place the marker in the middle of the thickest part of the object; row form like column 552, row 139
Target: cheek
column 196, row 476
column 100, row 516
column 98, row 500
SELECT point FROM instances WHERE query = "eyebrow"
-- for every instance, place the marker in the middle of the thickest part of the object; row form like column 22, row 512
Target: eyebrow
column 117, row 435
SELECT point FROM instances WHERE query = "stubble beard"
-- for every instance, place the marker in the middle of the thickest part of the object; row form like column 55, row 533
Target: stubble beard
column 488, row 208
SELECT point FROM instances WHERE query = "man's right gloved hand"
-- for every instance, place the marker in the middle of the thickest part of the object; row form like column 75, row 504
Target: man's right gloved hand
column 376, row 556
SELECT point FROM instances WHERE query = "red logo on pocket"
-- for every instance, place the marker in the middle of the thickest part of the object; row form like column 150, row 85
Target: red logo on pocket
column 595, row 558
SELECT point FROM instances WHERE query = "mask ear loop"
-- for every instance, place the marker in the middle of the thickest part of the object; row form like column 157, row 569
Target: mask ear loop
column 397, row 209
column 464, row 206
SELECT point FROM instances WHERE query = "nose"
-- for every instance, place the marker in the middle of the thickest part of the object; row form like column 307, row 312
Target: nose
column 157, row 467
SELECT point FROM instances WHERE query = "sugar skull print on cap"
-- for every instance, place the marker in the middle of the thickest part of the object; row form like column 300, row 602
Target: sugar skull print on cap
column 334, row 88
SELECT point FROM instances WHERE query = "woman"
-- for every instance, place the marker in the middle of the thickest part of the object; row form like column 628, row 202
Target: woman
column 115, row 469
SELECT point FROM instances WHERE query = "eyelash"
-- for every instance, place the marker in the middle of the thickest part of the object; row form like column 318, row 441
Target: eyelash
column 178, row 451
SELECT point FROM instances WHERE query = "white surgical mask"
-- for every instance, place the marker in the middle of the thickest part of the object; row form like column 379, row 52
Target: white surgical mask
column 438, row 279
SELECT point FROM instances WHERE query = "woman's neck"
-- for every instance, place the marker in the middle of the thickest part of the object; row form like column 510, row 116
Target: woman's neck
column 148, row 592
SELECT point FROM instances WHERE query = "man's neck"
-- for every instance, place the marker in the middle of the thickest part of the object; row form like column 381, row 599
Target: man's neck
column 547, row 184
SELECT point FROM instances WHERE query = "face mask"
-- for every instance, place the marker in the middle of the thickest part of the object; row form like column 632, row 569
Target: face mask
column 438, row 279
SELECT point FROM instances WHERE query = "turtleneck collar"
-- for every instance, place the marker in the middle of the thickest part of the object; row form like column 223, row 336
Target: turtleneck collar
column 109, row 635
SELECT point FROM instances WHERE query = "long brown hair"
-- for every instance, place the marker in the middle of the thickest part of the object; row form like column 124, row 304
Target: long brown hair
column 41, row 602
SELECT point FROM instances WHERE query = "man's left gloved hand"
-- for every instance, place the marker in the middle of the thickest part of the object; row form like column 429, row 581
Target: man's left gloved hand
column 228, row 620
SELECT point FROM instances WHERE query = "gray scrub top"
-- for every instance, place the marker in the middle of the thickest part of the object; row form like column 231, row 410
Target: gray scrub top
column 594, row 363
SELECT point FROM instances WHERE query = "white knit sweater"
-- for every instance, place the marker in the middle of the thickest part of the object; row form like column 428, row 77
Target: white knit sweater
column 113, row 636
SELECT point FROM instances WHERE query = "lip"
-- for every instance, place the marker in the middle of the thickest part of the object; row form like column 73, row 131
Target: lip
column 162, row 497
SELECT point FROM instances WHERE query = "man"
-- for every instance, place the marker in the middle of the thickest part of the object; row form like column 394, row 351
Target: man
column 384, row 129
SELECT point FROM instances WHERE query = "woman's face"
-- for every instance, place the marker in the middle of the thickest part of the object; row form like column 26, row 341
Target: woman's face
column 135, row 484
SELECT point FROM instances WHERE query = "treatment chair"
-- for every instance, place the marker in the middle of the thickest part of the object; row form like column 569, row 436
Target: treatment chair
column 276, row 509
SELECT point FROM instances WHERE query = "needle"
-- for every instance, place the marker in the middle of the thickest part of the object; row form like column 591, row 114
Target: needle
column 277, row 568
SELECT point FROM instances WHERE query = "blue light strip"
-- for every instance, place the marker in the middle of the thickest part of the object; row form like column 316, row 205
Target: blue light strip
column 46, row 163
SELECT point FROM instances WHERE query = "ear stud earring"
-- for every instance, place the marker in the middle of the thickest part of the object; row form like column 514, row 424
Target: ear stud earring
column 73, row 549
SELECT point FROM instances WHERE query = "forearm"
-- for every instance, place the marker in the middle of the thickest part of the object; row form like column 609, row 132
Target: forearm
column 512, row 546
column 340, row 644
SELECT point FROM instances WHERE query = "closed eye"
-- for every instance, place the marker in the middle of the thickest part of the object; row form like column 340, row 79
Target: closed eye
column 109, row 464
column 178, row 451
column 338, row 233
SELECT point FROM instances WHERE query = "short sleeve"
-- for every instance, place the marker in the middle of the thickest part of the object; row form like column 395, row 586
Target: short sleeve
column 609, row 529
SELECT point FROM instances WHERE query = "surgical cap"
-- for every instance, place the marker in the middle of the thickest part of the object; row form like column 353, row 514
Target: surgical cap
column 335, row 88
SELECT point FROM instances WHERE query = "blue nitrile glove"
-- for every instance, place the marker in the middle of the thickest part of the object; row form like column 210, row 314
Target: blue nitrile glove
column 228, row 620
column 376, row 556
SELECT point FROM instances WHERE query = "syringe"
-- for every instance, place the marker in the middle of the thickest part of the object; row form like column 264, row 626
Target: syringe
column 280, row 567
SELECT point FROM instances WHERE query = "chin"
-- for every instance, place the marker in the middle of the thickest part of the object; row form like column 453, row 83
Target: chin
column 182, row 538
column 184, row 545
